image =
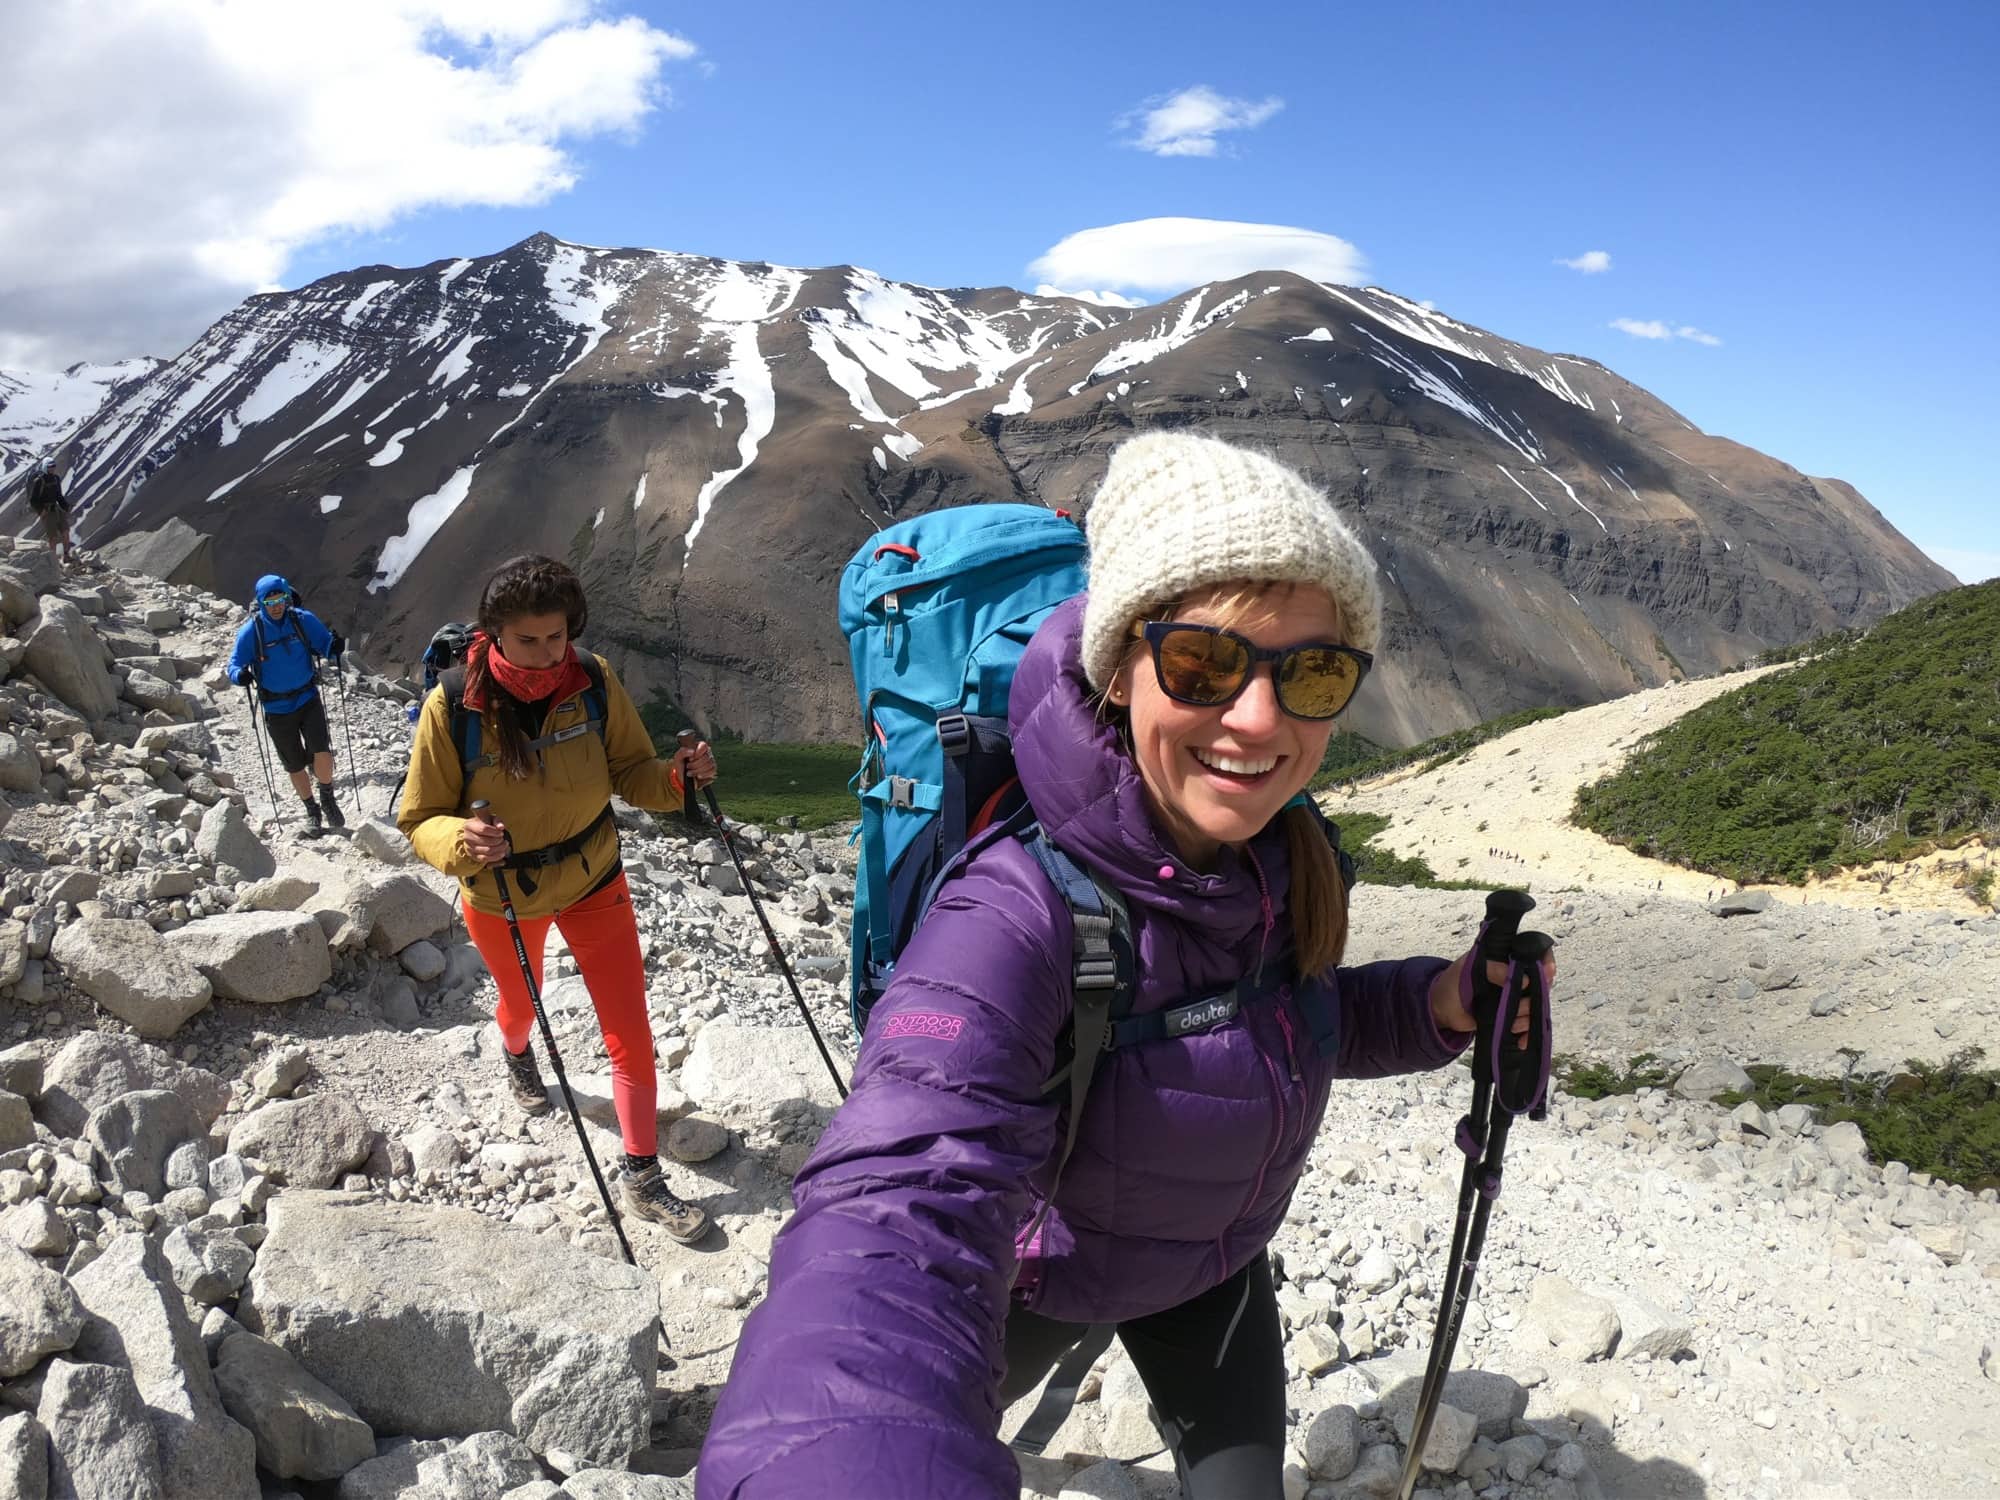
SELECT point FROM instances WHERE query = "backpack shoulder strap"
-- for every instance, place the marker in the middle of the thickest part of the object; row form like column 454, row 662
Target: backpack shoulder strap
column 1101, row 985
column 464, row 722
column 596, row 700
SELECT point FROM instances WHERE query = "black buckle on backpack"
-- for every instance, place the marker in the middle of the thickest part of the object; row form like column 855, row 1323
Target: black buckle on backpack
column 902, row 792
column 954, row 732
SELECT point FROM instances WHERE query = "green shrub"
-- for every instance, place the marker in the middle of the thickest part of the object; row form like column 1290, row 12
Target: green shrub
column 1940, row 1118
column 1596, row 1080
column 1884, row 747
column 757, row 783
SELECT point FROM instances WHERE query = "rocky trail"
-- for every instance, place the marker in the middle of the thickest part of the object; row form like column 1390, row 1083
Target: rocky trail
column 269, row 1224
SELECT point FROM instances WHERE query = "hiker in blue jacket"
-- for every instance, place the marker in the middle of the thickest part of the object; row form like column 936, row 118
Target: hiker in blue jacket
column 278, row 649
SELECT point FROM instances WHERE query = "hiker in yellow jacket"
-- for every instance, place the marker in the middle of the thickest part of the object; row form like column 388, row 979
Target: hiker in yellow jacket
column 545, row 735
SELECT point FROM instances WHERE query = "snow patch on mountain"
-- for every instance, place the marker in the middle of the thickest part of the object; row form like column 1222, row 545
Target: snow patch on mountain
column 734, row 308
column 38, row 411
column 425, row 518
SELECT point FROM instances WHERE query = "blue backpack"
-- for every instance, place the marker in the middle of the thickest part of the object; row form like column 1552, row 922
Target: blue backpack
column 937, row 611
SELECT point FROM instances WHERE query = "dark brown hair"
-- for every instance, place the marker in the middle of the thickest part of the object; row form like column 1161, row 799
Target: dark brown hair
column 527, row 585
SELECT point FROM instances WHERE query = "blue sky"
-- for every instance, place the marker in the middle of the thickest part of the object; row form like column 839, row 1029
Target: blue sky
column 1807, row 188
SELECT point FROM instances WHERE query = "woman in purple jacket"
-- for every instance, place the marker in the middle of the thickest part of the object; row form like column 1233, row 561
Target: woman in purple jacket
column 1164, row 726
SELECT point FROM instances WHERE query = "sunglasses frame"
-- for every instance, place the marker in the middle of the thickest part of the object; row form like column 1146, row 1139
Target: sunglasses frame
column 1155, row 633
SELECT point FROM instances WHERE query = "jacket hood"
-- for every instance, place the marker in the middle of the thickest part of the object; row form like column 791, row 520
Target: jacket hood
column 270, row 583
column 1088, row 794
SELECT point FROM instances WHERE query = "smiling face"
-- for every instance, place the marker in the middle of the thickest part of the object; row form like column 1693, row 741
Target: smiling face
column 535, row 641
column 1216, row 776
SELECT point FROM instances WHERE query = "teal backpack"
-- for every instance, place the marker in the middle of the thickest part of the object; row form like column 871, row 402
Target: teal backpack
column 937, row 611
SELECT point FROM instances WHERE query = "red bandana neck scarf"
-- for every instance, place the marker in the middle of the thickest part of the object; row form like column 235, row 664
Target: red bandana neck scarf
column 527, row 684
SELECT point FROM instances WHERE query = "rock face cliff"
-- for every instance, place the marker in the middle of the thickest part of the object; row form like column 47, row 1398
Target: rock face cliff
column 710, row 440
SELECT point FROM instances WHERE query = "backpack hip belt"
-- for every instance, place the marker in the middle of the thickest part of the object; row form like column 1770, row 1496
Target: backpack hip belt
column 554, row 854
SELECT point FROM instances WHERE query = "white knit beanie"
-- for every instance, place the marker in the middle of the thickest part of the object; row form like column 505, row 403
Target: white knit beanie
column 1177, row 513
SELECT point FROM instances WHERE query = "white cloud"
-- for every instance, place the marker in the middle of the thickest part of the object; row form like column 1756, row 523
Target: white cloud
column 1171, row 255
column 1969, row 566
column 1591, row 262
column 1084, row 294
column 1654, row 328
column 166, row 157
column 1187, row 123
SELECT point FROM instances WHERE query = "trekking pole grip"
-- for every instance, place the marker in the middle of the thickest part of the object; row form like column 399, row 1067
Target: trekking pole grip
column 690, row 808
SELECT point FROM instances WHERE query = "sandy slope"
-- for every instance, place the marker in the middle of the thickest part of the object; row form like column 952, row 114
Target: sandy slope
column 1501, row 813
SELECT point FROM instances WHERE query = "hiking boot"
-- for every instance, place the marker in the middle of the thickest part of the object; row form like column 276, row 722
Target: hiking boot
column 331, row 807
column 524, row 1081
column 645, row 1195
column 313, row 821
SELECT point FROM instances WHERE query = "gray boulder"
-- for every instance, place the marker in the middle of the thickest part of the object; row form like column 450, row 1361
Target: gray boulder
column 39, row 1312
column 24, row 1458
column 754, row 1068
column 1579, row 1325
column 620, row 1484
column 100, row 1441
column 387, row 913
column 1742, row 904
column 265, row 957
column 135, row 1318
column 69, row 658
column 134, row 1135
column 227, row 841
column 147, row 691
column 283, row 891
column 311, row 1142
column 392, row 1471
column 1332, row 1442
column 95, row 1067
column 437, row 1321
column 22, row 1068
column 1711, row 1076
column 127, row 968
column 1644, row 1327
column 210, row 1267
column 17, row 598
column 20, row 767
column 487, row 1463
column 302, row 1429
column 380, row 839
column 17, row 1121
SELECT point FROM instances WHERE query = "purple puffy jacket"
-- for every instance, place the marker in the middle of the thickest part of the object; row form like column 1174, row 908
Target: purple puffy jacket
column 873, row 1366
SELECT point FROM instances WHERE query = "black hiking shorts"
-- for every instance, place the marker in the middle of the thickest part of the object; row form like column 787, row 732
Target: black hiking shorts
column 300, row 735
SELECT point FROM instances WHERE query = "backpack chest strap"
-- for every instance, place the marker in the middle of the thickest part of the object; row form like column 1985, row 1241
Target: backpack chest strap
column 1177, row 1020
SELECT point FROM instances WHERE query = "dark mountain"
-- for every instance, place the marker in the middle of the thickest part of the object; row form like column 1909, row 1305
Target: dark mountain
column 710, row 440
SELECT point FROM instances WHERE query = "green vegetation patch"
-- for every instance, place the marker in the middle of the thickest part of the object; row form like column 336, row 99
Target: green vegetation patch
column 1885, row 747
column 1940, row 1118
column 1597, row 1080
column 1377, row 866
column 758, row 783
column 1349, row 757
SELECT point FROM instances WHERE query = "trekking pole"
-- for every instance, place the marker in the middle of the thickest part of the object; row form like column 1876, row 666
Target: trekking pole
column 347, row 728
column 263, row 755
column 1508, row 1079
column 686, row 741
column 549, row 1041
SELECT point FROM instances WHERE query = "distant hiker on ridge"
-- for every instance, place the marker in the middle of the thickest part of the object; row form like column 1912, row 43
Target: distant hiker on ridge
column 278, row 649
column 545, row 734
column 1164, row 727
column 51, row 506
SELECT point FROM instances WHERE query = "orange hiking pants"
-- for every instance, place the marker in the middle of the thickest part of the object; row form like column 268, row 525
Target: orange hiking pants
column 604, row 939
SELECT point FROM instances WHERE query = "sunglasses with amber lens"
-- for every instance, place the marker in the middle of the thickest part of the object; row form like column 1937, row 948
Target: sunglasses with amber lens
column 1208, row 666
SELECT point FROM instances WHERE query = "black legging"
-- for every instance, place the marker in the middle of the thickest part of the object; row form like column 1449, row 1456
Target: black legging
column 1215, row 1370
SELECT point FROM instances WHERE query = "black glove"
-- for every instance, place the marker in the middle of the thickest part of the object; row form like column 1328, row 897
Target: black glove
column 338, row 645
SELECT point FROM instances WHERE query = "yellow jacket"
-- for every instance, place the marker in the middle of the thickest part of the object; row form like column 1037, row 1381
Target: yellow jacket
column 577, row 780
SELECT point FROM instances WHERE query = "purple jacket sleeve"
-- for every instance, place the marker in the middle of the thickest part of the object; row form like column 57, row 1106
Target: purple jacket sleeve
column 873, row 1366
column 1385, row 1020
